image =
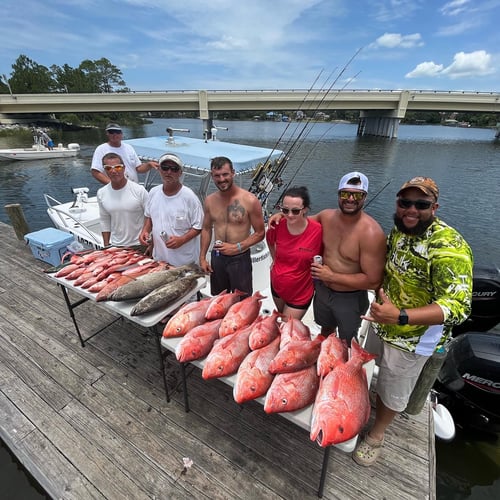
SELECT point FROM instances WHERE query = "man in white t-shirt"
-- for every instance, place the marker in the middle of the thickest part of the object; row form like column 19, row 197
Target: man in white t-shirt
column 121, row 205
column 173, row 216
column 133, row 165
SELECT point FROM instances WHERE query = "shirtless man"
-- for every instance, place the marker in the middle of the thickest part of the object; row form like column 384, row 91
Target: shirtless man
column 230, row 213
column 353, row 260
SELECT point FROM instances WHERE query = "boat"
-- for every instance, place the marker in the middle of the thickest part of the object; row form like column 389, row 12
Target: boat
column 80, row 216
column 39, row 151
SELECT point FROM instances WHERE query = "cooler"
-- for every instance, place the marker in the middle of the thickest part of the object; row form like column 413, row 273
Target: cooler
column 49, row 244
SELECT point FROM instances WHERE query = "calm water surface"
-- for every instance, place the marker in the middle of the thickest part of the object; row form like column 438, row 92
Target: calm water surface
column 464, row 162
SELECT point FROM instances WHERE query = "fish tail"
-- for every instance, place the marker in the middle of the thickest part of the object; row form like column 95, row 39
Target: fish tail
column 359, row 352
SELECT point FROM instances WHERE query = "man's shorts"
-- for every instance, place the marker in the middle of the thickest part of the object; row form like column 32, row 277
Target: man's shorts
column 398, row 373
column 231, row 272
column 341, row 310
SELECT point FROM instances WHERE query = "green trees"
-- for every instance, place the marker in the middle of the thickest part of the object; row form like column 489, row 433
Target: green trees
column 29, row 77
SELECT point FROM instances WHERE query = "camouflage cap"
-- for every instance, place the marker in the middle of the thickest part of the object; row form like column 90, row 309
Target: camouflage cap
column 425, row 184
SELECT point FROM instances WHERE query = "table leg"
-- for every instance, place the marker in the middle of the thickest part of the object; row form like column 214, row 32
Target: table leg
column 324, row 469
column 157, row 337
column 70, row 307
column 184, row 387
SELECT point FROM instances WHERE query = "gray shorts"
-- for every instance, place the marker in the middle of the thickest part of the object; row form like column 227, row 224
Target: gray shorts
column 398, row 373
column 341, row 310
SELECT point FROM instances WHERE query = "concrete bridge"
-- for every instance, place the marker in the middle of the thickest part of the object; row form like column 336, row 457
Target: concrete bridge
column 380, row 110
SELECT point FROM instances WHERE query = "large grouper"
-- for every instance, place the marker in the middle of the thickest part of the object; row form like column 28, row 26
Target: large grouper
column 143, row 285
column 165, row 295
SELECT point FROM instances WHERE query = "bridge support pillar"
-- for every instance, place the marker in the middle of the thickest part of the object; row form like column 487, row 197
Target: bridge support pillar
column 378, row 125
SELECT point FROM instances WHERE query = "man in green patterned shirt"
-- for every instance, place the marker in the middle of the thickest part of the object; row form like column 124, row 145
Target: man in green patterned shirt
column 427, row 289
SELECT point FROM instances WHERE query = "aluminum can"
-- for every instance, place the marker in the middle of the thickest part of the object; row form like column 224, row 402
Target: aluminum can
column 216, row 243
column 164, row 236
column 318, row 259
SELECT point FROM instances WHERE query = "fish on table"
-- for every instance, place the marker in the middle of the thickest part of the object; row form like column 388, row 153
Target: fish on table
column 333, row 352
column 186, row 318
column 266, row 329
column 293, row 328
column 221, row 303
column 296, row 355
column 165, row 295
column 253, row 378
column 143, row 285
column 241, row 314
column 227, row 354
column 342, row 405
column 292, row 391
column 198, row 342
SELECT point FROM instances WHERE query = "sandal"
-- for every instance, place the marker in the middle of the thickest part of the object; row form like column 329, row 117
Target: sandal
column 367, row 451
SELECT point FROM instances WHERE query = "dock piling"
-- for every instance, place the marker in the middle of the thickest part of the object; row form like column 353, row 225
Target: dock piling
column 16, row 216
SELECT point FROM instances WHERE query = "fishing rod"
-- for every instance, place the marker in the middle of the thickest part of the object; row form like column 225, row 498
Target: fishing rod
column 265, row 188
column 379, row 191
column 255, row 187
column 299, row 167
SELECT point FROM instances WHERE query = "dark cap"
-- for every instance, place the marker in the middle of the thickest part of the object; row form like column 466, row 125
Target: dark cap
column 113, row 126
column 425, row 184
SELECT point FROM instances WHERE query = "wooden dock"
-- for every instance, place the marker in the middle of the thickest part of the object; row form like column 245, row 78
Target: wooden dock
column 93, row 421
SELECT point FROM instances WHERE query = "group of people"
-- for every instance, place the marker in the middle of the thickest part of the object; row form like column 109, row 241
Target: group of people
column 422, row 271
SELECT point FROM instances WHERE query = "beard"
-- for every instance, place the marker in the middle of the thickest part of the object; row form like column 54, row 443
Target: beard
column 351, row 211
column 417, row 230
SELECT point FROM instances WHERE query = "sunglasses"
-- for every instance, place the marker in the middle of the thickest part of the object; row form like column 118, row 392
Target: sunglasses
column 118, row 167
column 419, row 204
column 173, row 168
column 114, row 131
column 294, row 211
column 345, row 195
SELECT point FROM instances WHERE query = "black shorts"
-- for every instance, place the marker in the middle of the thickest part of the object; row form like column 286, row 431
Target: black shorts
column 294, row 306
column 231, row 272
column 341, row 310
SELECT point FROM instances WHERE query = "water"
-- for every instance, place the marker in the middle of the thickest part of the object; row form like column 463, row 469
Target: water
column 464, row 162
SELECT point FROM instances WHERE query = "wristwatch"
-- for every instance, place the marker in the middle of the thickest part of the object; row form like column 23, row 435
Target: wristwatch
column 403, row 317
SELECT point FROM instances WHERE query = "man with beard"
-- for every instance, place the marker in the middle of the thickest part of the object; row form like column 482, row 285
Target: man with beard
column 233, row 216
column 427, row 289
column 353, row 260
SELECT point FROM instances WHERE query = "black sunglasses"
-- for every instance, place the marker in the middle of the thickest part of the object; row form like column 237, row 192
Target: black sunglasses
column 173, row 168
column 295, row 211
column 419, row 204
column 114, row 131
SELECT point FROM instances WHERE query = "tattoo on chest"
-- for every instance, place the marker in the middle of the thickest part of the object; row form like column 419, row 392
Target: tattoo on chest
column 236, row 212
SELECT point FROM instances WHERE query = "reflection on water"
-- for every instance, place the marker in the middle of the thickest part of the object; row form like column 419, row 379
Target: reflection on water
column 464, row 162
column 468, row 467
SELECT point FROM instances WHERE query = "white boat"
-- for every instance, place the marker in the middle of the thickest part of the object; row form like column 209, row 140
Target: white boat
column 80, row 216
column 39, row 151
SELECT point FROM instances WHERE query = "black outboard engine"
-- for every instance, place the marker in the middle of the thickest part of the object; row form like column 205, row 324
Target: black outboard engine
column 485, row 302
column 468, row 383
column 469, row 380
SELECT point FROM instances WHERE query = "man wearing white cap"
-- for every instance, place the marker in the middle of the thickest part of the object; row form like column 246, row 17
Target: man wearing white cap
column 173, row 216
column 353, row 260
column 133, row 164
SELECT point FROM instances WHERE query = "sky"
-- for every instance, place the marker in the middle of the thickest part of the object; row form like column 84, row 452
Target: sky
column 264, row 44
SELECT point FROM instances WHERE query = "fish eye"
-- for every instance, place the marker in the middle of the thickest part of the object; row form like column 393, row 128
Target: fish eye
column 284, row 401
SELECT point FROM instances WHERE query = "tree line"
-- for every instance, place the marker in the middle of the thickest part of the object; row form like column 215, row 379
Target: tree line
column 29, row 77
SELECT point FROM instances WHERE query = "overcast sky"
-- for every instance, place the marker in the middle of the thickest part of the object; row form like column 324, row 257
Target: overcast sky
column 264, row 44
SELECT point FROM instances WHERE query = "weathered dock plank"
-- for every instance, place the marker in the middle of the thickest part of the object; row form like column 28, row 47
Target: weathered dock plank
column 93, row 421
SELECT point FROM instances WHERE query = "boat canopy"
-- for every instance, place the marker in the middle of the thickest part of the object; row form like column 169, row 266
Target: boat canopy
column 197, row 153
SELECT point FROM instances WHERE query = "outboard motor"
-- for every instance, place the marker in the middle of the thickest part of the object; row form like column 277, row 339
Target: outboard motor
column 469, row 380
column 485, row 302
column 468, row 383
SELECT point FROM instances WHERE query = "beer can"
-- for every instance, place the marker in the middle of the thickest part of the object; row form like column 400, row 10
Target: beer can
column 164, row 236
column 217, row 243
column 318, row 259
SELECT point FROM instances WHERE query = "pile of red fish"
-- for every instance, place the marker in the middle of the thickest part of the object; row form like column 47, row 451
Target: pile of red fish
column 276, row 357
column 103, row 271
